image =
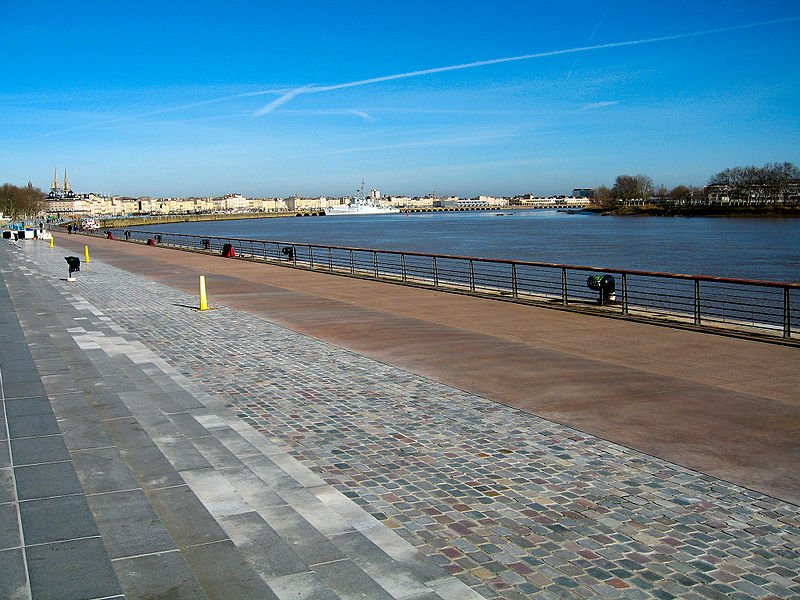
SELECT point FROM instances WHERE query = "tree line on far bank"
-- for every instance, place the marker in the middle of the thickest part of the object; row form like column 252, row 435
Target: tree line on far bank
column 768, row 183
column 20, row 202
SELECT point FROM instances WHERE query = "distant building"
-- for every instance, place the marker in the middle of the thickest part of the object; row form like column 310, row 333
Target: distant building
column 63, row 200
column 755, row 194
column 582, row 193
column 61, row 193
column 407, row 202
column 310, row 204
column 549, row 202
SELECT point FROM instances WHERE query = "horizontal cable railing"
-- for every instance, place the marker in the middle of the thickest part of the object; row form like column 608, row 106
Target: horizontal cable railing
column 736, row 304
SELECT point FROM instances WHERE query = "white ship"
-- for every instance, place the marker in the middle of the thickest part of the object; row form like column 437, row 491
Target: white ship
column 360, row 206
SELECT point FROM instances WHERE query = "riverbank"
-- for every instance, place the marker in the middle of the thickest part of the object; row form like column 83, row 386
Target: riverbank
column 122, row 222
column 735, row 248
column 119, row 222
column 259, row 450
column 772, row 212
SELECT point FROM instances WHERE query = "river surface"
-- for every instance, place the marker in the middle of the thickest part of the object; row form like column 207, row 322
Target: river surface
column 765, row 249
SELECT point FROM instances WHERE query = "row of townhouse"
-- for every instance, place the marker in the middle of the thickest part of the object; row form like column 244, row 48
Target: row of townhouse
column 95, row 204
column 99, row 205
column 753, row 194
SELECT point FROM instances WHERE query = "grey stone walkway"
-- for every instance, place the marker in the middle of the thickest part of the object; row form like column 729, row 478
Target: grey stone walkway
column 221, row 455
column 127, row 478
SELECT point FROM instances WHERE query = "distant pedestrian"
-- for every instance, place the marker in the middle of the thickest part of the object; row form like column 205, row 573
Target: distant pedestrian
column 69, row 229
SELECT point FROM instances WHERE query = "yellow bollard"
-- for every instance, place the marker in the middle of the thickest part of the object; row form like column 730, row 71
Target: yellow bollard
column 86, row 254
column 203, row 297
column 52, row 242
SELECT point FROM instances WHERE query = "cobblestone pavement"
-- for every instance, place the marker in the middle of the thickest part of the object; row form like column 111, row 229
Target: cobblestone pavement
column 513, row 505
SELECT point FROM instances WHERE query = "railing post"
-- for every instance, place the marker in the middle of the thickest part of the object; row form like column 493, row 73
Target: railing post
column 697, row 302
column 787, row 315
column 330, row 259
column 514, row 280
column 311, row 257
column 403, row 268
column 564, row 286
column 435, row 273
column 624, row 293
column 294, row 256
column 471, row 275
column 352, row 264
column 375, row 263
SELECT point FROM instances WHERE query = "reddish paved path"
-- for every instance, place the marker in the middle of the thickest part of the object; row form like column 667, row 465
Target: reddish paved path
column 724, row 406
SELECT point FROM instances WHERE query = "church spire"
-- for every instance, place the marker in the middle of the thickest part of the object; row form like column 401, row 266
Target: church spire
column 55, row 179
column 66, row 183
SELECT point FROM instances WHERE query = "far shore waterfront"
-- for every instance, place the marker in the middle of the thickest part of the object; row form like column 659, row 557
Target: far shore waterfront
column 623, row 211
column 699, row 211
column 756, row 248
column 165, row 219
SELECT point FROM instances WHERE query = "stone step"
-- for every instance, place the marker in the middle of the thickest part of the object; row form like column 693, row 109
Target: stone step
column 140, row 528
column 50, row 542
column 222, row 492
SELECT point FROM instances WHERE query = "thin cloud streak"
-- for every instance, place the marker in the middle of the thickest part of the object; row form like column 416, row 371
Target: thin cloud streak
column 288, row 94
column 595, row 105
column 439, row 142
column 160, row 111
column 496, row 61
column 282, row 100
column 589, row 39
column 333, row 112
column 361, row 114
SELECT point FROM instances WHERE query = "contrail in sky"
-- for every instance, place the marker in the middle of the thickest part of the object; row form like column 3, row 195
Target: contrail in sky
column 288, row 94
column 495, row 61
column 282, row 100
column 162, row 111
column 589, row 39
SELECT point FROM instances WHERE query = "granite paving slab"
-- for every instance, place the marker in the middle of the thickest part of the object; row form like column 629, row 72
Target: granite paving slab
column 9, row 526
column 71, row 569
column 13, row 575
column 46, row 480
column 161, row 575
column 57, row 519
column 139, row 533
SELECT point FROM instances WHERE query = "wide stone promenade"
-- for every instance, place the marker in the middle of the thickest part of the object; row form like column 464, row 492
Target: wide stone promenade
column 316, row 436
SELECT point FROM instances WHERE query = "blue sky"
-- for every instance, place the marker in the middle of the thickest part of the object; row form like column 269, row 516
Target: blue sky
column 206, row 98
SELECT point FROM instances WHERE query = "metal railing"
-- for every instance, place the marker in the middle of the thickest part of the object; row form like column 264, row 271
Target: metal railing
column 764, row 307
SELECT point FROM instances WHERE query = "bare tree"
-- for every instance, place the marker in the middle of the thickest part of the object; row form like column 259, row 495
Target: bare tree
column 625, row 188
column 20, row 202
column 765, row 184
column 777, row 177
column 633, row 187
column 645, row 186
column 602, row 196
column 680, row 193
